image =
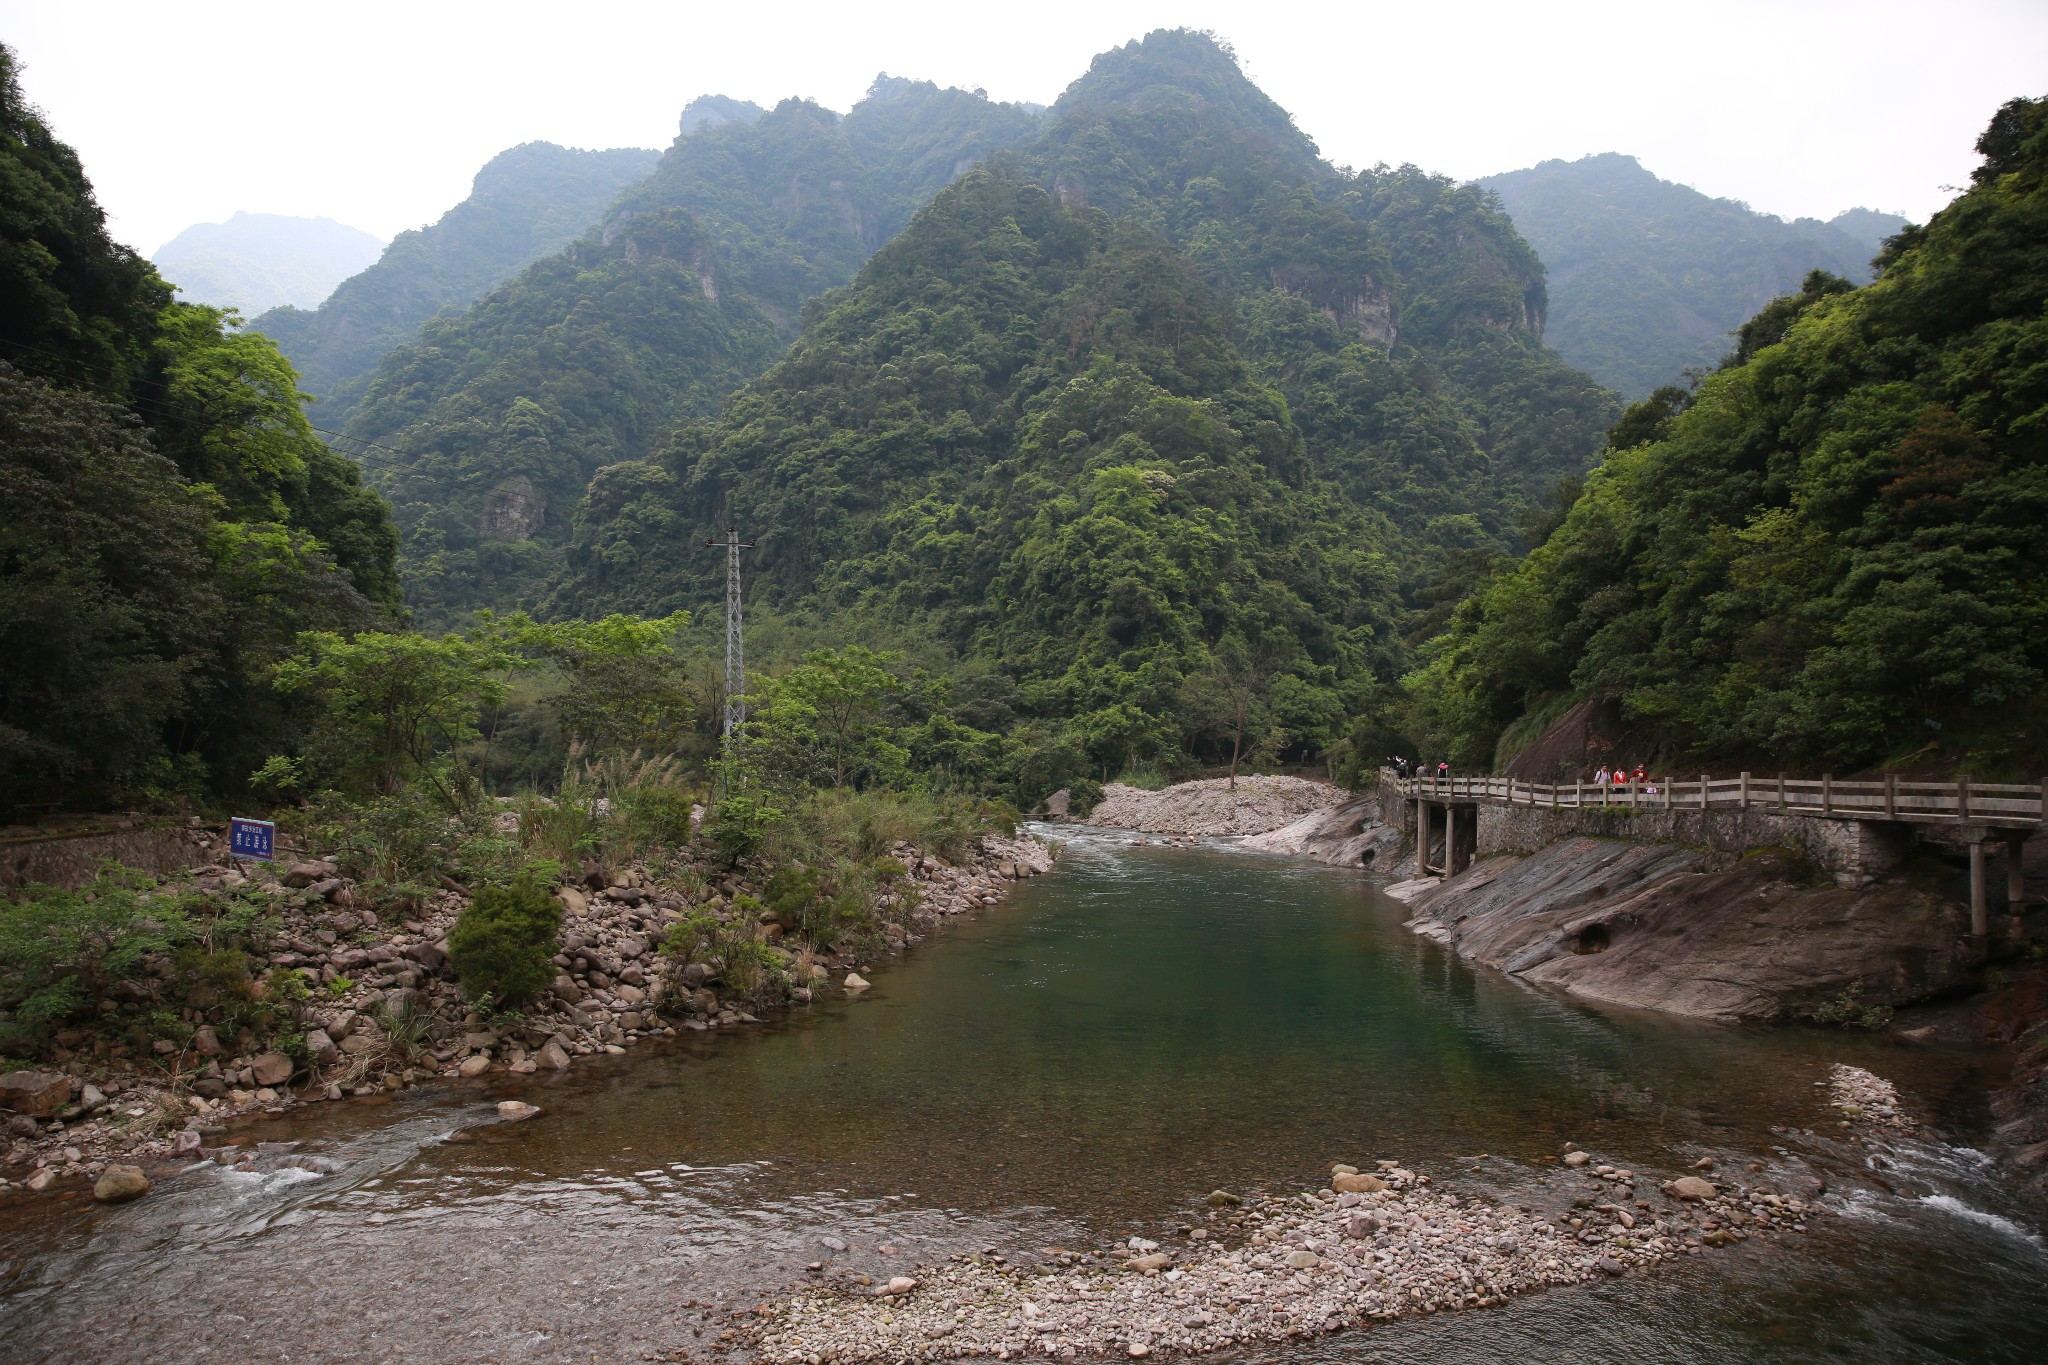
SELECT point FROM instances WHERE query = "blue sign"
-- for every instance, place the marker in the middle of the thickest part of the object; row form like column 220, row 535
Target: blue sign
column 251, row 838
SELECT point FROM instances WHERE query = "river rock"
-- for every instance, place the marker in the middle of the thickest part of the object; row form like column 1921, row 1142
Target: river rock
column 573, row 901
column 302, row 875
column 553, row 1055
column 900, row 1284
column 1576, row 1158
column 1223, row 1199
column 856, row 982
column 1690, row 1187
column 476, row 1065
column 272, row 1068
column 205, row 1041
column 1157, row 1260
column 1359, row 1226
column 118, row 1184
column 1303, row 1260
column 1357, row 1184
column 320, row 1047
column 40, row 1094
column 42, row 1179
column 514, row 1110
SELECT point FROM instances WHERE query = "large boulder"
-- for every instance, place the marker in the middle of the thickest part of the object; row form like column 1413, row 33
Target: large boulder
column 118, row 1184
column 272, row 1068
column 40, row 1094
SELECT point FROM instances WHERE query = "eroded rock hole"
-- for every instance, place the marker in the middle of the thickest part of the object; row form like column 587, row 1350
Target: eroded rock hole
column 1594, row 938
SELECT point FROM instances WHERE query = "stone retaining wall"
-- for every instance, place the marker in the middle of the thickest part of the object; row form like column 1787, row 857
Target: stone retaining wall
column 1854, row 852
column 71, row 861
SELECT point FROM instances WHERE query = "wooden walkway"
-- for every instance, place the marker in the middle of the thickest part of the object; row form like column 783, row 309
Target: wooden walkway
column 1962, row 802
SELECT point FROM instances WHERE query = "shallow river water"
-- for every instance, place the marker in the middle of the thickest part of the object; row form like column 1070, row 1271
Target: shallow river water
column 1084, row 1062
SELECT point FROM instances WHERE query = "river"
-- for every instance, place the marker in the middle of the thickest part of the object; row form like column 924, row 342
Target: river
column 1082, row 1063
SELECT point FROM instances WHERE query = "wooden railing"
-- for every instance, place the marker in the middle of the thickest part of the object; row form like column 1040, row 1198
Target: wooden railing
column 1889, row 798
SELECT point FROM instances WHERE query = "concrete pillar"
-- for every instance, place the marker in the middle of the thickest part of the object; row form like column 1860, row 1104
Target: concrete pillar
column 1421, row 837
column 1453, row 863
column 2015, row 875
column 1980, row 913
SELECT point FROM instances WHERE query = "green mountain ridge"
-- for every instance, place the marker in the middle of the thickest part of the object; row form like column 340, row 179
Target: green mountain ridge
column 1396, row 313
column 524, row 203
column 1831, row 554
column 696, row 280
column 1648, row 279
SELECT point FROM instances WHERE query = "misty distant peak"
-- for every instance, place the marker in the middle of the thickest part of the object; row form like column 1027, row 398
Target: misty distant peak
column 713, row 111
column 255, row 261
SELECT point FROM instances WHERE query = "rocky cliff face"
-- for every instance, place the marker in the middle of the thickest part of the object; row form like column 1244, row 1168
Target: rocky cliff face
column 1671, row 928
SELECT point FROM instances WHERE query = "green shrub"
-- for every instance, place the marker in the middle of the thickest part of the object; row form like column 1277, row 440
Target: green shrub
column 739, row 824
column 62, row 950
column 503, row 943
column 1848, row 1010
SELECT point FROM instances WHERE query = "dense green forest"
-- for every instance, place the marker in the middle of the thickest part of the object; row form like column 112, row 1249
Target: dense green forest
column 1829, row 554
column 1025, row 430
column 172, row 521
column 525, row 203
column 487, row 430
column 1648, row 278
column 900, row 461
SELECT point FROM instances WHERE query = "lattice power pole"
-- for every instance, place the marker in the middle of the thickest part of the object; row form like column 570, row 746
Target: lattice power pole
column 735, row 646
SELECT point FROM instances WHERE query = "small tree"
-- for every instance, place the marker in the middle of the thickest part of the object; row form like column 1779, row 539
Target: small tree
column 628, row 688
column 503, row 943
column 392, row 704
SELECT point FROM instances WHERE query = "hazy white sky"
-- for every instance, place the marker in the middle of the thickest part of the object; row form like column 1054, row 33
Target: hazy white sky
column 377, row 114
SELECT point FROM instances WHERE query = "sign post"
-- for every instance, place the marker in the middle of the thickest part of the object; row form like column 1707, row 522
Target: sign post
column 251, row 838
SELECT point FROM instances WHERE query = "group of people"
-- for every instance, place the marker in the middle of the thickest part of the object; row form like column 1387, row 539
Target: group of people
column 1619, row 778
column 1417, row 767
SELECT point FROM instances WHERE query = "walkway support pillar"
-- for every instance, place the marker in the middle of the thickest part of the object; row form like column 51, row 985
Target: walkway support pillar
column 1421, row 837
column 1980, row 912
column 2015, row 874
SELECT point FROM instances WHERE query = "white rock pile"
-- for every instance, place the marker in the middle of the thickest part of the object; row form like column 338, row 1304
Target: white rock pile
column 1258, row 805
column 1372, row 1248
column 1861, row 1096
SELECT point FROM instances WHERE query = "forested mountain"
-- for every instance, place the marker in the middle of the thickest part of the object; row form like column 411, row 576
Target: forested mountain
column 171, row 520
column 1834, row 553
column 1159, row 401
column 255, row 261
column 524, row 203
column 695, row 283
column 1398, row 314
column 1025, row 429
column 1648, row 278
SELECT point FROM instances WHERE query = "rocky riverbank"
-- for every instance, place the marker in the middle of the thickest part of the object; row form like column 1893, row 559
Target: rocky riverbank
column 1370, row 1247
column 1687, row 932
column 384, row 1013
column 1256, row 805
